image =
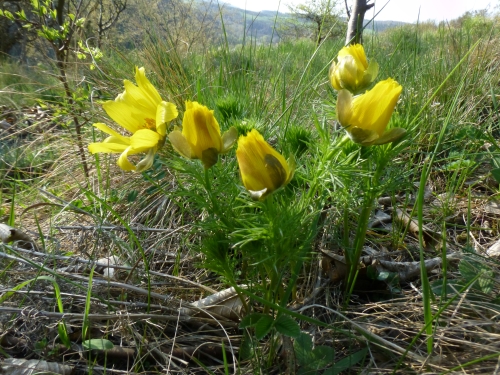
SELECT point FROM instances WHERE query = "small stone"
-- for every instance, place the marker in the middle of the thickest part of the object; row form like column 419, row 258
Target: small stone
column 492, row 207
column 494, row 250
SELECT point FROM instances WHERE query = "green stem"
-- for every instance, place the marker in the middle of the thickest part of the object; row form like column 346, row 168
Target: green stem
column 215, row 204
column 352, row 258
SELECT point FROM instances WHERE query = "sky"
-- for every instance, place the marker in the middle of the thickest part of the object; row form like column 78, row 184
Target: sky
column 396, row 10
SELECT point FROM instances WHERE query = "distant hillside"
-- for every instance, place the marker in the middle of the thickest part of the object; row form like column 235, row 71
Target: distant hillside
column 260, row 25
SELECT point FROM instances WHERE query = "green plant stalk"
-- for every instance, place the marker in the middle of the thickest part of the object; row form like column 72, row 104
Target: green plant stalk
column 62, row 330
column 272, row 269
column 51, row 272
column 444, row 263
column 224, row 358
column 426, row 288
column 296, row 94
column 12, row 213
column 285, row 311
column 352, row 258
column 85, row 324
column 295, row 268
column 473, row 362
column 40, row 232
column 469, row 211
column 215, row 204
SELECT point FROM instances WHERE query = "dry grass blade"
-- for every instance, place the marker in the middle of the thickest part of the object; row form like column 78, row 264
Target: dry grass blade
column 19, row 366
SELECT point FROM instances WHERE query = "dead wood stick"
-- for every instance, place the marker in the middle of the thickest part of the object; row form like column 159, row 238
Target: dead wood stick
column 405, row 270
column 409, row 270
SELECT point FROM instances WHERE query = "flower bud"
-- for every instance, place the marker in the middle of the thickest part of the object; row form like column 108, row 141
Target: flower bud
column 263, row 170
column 352, row 71
column 200, row 137
column 365, row 117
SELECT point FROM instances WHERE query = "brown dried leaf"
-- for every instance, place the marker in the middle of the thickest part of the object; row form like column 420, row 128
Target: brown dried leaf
column 431, row 238
column 334, row 266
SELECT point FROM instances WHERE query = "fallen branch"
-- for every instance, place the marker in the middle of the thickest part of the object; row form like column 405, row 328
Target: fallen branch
column 335, row 265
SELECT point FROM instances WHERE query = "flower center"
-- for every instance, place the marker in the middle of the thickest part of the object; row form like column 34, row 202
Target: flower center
column 149, row 123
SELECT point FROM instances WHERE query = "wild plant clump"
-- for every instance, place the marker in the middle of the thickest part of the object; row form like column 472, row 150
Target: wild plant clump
column 330, row 213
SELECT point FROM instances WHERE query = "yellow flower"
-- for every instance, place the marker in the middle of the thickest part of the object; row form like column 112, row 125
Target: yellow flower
column 366, row 116
column 141, row 111
column 352, row 71
column 263, row 170
column 200, row 136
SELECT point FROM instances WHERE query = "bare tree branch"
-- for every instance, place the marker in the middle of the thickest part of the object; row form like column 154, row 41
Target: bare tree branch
column 348, row 12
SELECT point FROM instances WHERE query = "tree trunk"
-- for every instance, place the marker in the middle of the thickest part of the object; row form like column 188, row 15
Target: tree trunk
column 355, row 26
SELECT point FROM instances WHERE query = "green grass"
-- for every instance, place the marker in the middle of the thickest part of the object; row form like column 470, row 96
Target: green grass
column 178, row 220
column 24, row 86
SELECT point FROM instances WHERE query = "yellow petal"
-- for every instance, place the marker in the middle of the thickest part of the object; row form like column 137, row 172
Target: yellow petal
column 146, row 87
column 229, row 138
column 358, row 52
column 261, row 167
column 373, row 109
column 276, row 170
column 106, row 129
column 344, row 108
column 143, row 140
column 334, row 76
column 365, row 137
column 180, row 144
column 147, row 162
column 258, row 195
column 209, row 157
column 107, row 148
column 349, row 73
column 201, row 129
column 124, row 163
column 352, row 71
column 123, row 115
column 165, row 112
column 370, row 73
column 292, row 165
column 137, row 98
column 391, row 135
